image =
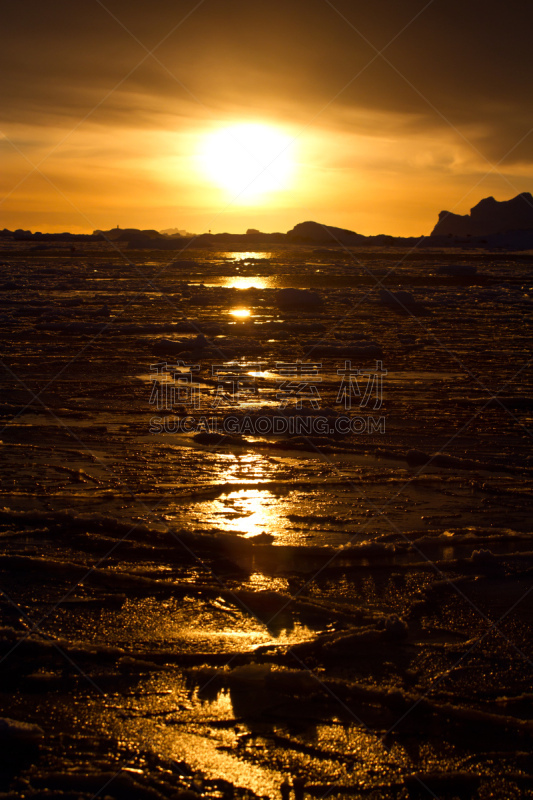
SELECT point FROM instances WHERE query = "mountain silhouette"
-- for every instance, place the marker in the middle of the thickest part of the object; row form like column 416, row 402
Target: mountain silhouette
column 489, row 217
column 505, row 225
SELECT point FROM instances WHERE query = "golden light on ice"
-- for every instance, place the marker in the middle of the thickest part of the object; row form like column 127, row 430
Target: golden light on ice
column 248, row 159
column 240, row 312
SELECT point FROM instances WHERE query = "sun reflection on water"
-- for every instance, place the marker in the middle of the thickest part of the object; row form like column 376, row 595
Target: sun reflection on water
column 247, row 512
column 249, row 255
column 242, row 282
column 240, row 313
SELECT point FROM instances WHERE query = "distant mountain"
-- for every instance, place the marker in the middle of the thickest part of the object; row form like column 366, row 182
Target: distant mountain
column 124, row 234
column 489, row 217
column 316, row 233
column 491, row 225
column 177, row 232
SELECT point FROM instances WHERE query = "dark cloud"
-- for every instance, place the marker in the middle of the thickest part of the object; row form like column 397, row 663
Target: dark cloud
column 462, row 63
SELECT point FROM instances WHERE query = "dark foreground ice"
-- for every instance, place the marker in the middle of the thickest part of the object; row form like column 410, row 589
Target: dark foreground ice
column 194, row 605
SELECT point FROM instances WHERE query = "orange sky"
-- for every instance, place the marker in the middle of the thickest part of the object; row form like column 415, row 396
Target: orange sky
column 370, row 117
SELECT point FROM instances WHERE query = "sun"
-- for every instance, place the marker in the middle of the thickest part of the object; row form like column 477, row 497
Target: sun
column 248, row 160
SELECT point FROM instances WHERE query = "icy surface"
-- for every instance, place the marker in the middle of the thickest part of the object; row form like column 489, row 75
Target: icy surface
column 184, row 613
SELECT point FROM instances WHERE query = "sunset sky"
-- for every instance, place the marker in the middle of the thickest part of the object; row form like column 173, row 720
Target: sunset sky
column 370, row 116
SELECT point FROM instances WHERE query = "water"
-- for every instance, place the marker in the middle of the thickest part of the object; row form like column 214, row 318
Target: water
column 252, row 609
